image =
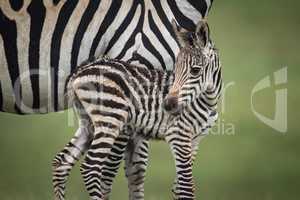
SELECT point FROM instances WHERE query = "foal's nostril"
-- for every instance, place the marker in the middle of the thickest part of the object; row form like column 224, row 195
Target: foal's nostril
column 170, row 103
column 213, row 113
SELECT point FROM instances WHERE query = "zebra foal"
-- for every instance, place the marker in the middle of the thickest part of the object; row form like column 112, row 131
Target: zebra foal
column 42, row 42
column 115, row 96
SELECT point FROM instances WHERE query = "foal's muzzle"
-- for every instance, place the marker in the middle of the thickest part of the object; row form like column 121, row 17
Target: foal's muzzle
column 171, row 104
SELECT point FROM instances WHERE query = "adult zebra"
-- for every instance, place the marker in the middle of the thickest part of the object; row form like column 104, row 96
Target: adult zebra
column 42, row 42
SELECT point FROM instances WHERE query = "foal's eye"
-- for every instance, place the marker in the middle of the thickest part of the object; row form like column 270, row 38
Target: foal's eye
column 196, row 70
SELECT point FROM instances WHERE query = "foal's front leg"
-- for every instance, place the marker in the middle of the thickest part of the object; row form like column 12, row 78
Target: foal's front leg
column 195, row 145
column 136, row 161
column 181, row 148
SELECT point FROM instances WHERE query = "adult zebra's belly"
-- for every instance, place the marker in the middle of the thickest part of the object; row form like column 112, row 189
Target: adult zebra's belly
column 40, row 100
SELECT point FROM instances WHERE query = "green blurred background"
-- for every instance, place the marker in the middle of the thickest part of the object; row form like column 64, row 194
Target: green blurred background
column 250, row 162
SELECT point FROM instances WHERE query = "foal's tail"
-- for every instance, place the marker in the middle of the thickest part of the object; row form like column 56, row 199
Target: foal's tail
column 69, row 94
column 71, row 100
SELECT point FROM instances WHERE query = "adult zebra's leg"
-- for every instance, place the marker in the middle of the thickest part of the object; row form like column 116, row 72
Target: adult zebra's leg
column 64, row 161
column 98, row 152
column 181, row 149
column 136, row 160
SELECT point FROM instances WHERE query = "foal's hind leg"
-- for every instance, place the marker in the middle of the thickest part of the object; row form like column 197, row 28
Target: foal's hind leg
column 112, row 163
column 65, row 159
column 99, row 150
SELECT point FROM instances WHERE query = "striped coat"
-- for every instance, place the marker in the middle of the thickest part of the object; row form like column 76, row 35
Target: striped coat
column 42, row 42
column 119, row 101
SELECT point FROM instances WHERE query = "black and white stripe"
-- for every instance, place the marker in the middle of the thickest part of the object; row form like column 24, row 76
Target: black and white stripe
column 42, row 42
column 116, row 96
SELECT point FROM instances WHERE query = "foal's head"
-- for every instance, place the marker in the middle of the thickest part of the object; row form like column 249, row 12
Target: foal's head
column 195, row 68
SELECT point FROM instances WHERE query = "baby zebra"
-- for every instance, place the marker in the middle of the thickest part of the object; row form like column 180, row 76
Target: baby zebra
column 119, row 99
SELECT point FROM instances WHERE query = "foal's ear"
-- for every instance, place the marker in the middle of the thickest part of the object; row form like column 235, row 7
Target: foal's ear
column 183, row 36
column 202, row 33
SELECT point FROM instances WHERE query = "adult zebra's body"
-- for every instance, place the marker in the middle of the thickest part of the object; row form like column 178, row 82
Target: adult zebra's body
column 115, row 96
column 42, row 41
